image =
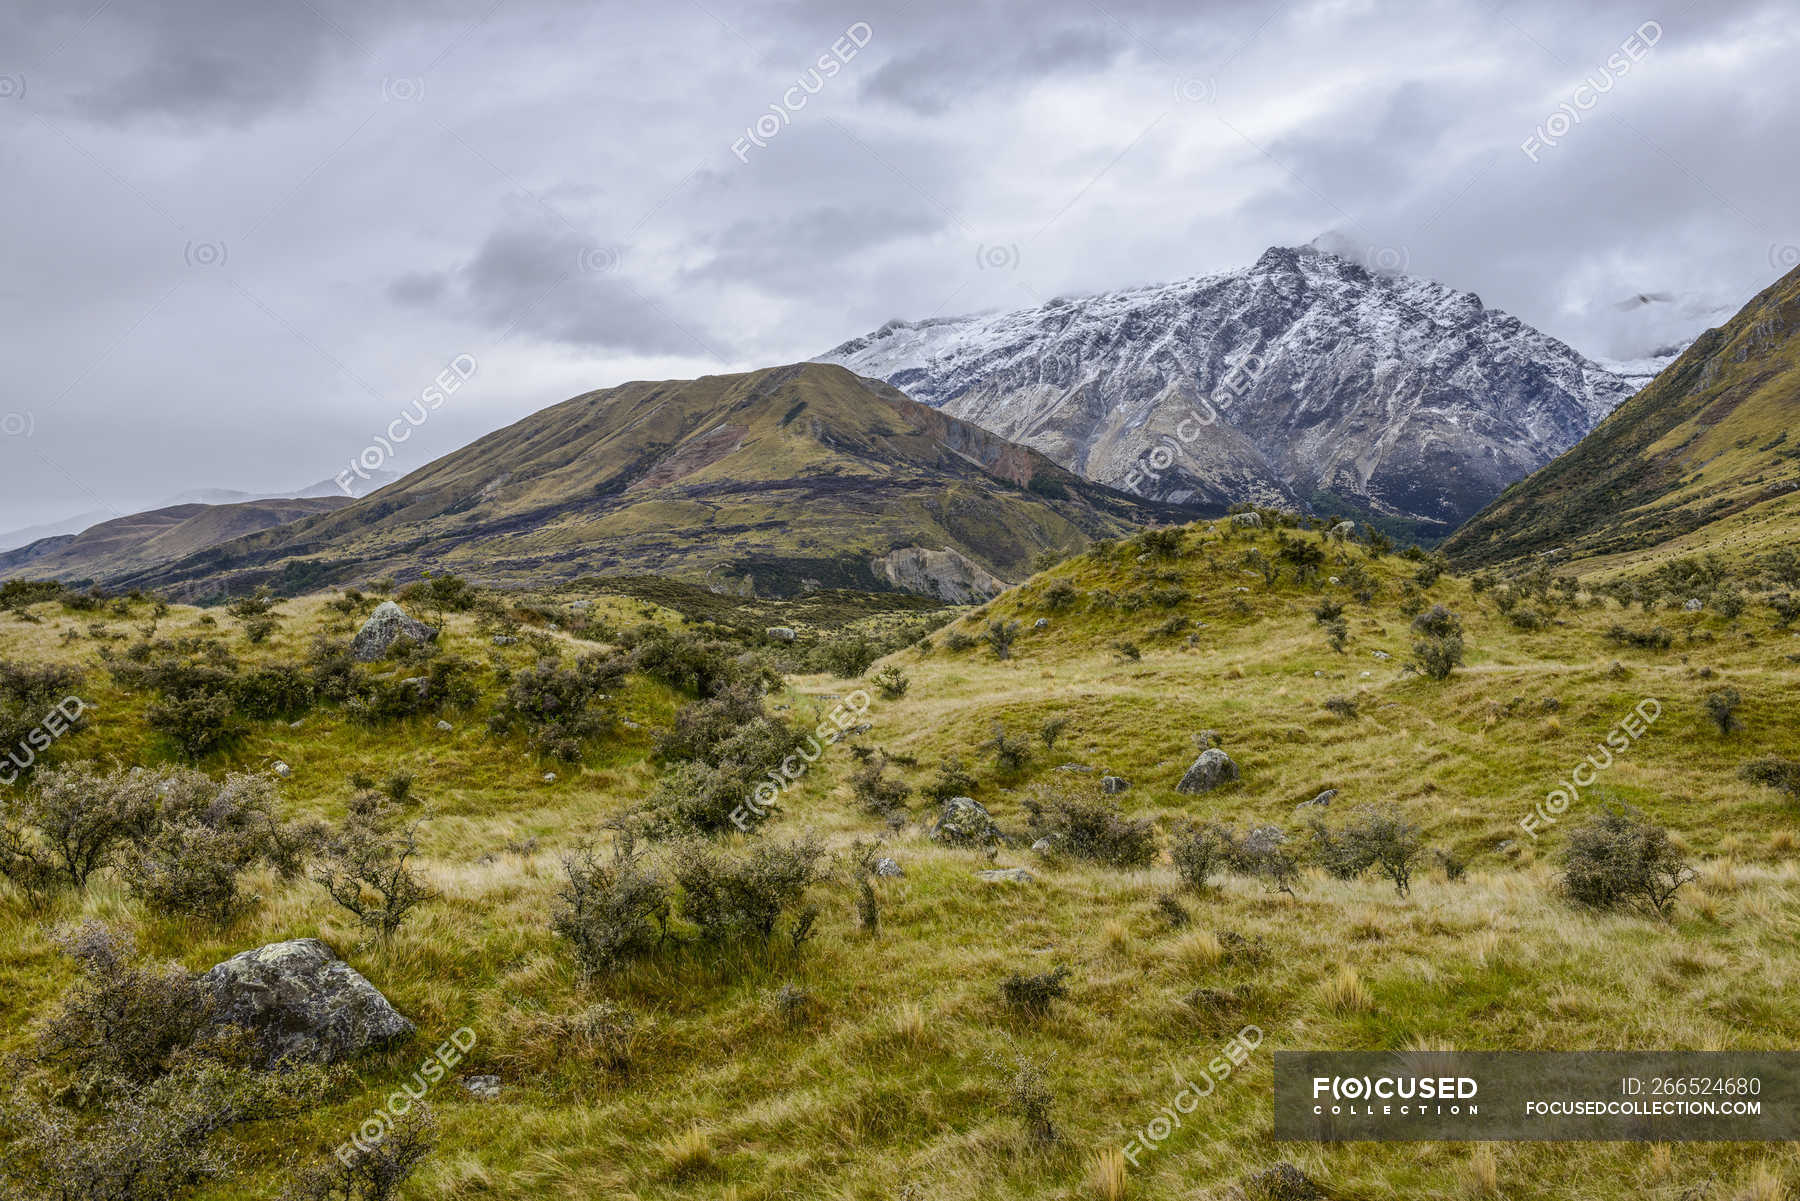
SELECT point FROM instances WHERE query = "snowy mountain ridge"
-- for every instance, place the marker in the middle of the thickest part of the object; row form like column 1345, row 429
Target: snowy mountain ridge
column 1384, row 396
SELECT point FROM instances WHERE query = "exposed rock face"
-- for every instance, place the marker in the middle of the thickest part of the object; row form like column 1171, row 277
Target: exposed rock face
column 1384, row 393
column 386, row 626
column 781, row 633
column 1114, row 784
column 1213, row 768
column 965, row 822
column 949, row 575
column 1006, row 875
column 1322, row 800
column 888, row 867
column 302, row 1003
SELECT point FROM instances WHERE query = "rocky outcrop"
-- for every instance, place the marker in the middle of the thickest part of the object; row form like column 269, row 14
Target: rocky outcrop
column 1213, row 768
column 386, row 626
column 965, row 822
column 949, row 575
column 301, row 1002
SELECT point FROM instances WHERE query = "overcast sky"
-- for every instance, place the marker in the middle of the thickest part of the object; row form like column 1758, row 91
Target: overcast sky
column 241, row 238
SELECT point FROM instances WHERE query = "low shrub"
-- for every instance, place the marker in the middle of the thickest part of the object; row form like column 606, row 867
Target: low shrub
column 1033, row 994
column 611, row 910
column 1090, row 829
column 1620, row 860
column 732, row 899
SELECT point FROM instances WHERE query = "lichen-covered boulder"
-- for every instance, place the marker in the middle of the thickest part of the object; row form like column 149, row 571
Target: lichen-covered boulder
column 1213, row 768
column 1113, row 785
column 386, row 626
column 301, row 1002
column 1252, row 521
column 1005, row 875
column 965, row 822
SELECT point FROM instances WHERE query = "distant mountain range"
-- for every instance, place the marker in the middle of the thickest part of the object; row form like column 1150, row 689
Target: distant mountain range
column 1707, row 458
column 1382, row 396
column 777, row 481
column 125, row 545
column 13, row 539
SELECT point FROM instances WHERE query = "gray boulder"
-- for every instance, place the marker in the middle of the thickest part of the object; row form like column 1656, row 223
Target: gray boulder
column 1042, row 623
column 485, row 1087
column 1321, row 801
column 301, row 1002
column 1344, row 531
column 386, row 626
column 781, row 633
column 965, row 822
column 1006, row 875
column 888, row 867
column 1251, row 520
column 1112, row 785
column 1213, row 768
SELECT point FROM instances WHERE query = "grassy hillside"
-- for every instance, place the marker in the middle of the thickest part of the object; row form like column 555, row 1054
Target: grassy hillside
column 1705, row 458
column 764, row 481
column 873, row 1075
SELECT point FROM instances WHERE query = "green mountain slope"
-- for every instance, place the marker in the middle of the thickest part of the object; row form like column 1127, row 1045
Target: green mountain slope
column 775, row 480
column 1705, row 458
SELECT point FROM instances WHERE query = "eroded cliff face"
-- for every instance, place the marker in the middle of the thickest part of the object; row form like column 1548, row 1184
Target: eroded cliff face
column 946, row 574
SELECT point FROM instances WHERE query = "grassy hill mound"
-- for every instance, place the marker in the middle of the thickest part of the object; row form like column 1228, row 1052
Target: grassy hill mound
column 1704, row 459
column 990, row 1039
column 775, row 482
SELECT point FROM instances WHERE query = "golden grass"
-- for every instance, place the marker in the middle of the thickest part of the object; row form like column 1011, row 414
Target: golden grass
column 885, row 1088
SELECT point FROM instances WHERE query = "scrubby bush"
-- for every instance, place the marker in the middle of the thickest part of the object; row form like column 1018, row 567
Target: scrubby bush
column 123, row 1019
column 731, row 898
column 951, row 780
column 1341, row 706
column 280, row 691
column 1773, row 772
column 372, row 1171
column 1200, row 854
column 1010, row 752
column 206, row 836
column 1027, row 1095
column 891, row 682
column 1000, row 636
column 1091, row 829
column 878, row 795
column 560, row 707
column 29, row 693
column 1033, row 993
column 1722, row 706
column 1438, row 645
column 366, row 866
column 1052, row 731
column 70, row 823
column 1373, row 838
column 198, row 724
column 1060, row 595
column 610, row 910
column 1655, row 639
column 1618, row 859
column 1261, row 854
column 1162, row 543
